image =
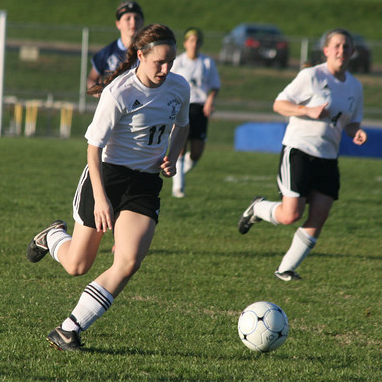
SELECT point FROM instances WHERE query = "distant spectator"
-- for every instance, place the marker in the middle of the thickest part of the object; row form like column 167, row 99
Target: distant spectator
column 129, row 19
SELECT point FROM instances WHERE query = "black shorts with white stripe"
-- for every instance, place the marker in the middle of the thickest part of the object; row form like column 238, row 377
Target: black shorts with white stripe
column 126, row 189
column 299, row 173
column 198, row 122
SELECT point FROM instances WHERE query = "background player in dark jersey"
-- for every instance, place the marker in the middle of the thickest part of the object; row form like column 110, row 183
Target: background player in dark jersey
column 129, row 20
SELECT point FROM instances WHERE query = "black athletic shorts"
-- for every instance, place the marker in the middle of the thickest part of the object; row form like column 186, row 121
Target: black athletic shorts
column 126, row 189
column 299, row 173
column 198, row 122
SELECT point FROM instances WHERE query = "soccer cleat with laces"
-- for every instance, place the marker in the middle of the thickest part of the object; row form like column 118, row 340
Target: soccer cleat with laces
column 287, row 275
column 248, row 218
column 38, row 247
column 61, row 339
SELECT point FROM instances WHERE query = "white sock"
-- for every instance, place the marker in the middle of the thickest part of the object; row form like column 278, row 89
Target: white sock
column 55, row 238
column 178, row 180
column 301, row 246
column 189, row 164
column 265, row 210
column 93, row 303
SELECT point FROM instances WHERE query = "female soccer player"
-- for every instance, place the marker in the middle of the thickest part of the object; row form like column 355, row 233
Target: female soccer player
column 139, row 110
column 129, row 20
column 201, row 73
column 321, row 102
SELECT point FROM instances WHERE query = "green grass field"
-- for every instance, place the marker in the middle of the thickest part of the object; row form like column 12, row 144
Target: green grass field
column 177, row 319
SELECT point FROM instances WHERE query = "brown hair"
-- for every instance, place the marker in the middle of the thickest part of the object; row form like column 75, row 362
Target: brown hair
column 144, row 40
column 331, row 33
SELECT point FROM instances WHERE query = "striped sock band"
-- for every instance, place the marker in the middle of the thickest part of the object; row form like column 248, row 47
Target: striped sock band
column 93, row 303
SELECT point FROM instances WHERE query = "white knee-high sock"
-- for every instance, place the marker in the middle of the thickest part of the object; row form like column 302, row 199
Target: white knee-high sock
column 93, row 303
column 301, row 246
column 178, row 180
column 265, row 210
column 189, row 164
column 55, row 238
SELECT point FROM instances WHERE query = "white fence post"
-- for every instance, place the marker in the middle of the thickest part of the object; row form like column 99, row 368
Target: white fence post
column 84, row 68
column 304, row 52
column 3, row 22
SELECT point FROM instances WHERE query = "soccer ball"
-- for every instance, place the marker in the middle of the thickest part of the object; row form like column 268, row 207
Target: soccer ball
column 263, row 326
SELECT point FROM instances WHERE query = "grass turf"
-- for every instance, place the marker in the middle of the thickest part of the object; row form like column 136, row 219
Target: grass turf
column 177, row 319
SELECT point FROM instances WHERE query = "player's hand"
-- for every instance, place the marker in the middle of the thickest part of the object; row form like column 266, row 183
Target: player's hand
column 168, row 167
column 208, row 109
column 318, row 112
column 360, row 137
column 103, row 214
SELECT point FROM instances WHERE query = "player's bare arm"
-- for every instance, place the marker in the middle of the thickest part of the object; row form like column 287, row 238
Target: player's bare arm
column 179, row 136
column 290, row 109
column 103, row 212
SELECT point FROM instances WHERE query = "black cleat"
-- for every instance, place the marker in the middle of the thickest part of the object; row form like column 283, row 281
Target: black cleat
column 38, row 247
column 64, row 340
column 248, row 218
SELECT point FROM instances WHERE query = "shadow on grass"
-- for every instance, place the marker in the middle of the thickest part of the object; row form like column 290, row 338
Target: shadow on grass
column 259, row 254
column 134, row 351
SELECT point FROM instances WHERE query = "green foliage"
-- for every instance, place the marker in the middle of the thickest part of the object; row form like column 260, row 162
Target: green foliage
column 244, row 88
column 177, row 318
column 295, row 17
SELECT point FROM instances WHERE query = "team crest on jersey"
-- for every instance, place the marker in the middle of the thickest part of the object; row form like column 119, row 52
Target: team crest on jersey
column 113, row 62
column 175, row 107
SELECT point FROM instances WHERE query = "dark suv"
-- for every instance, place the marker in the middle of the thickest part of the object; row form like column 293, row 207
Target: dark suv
column 255, row 43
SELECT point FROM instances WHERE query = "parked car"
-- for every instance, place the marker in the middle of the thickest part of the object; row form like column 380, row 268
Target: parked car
column 255, row 43
column 359, row 62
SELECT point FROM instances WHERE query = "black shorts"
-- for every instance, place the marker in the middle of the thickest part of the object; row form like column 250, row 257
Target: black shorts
column 198, row 122
column 299, row 173
column 126, row 189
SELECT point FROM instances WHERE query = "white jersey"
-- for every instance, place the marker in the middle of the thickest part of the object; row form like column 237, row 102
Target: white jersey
column 313, row 87
column 200, row 73
column 132, row 122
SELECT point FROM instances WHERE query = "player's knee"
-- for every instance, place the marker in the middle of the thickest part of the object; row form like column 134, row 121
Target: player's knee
column 131, row 268
column 290, row 218
column 128, row 268
column 78, row 269
column 196, row 156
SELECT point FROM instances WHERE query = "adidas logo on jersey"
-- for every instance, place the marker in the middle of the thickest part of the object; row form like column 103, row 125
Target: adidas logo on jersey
column 136, row 104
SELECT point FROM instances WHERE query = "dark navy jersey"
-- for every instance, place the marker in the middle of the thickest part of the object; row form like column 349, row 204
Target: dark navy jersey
column 109, row 57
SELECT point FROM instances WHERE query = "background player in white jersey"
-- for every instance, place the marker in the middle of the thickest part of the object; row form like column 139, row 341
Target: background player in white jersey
column 321, row 102
column 201, row 73
column 139, row 111
column 129, row 19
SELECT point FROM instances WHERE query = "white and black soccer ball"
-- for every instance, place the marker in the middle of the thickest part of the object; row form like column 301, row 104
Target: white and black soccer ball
column 263, row 326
